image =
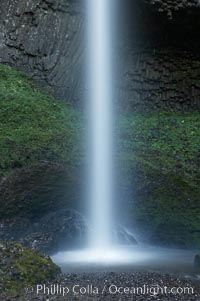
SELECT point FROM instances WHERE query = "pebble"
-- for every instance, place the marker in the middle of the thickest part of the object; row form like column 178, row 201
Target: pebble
column 122, row 281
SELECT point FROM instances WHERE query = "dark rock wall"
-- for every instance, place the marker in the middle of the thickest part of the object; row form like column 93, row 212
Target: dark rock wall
column 160, row 49
column 43, row 38
column 157, row 53
column 160, row 79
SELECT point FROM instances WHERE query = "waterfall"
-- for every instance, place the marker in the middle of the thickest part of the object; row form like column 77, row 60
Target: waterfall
column 102, row 252
column 100, row 121
column 101, row 249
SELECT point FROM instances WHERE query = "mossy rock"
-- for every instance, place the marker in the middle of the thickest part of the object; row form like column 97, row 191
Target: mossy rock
column 21, row 267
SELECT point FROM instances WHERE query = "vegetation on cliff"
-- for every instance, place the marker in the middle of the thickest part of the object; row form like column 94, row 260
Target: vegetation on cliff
column 167, row 142
column 158, row 152
column 33, row 125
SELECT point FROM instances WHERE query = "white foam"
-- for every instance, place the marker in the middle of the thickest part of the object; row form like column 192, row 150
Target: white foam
column 117, row 256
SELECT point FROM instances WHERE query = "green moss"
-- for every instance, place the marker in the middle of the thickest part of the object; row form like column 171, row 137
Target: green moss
column 168, row 143
column 160, row 156
column 21, row 267
column 33, row 125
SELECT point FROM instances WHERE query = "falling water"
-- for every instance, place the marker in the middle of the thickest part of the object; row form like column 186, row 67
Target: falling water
column 101, row 250
column 100, row 125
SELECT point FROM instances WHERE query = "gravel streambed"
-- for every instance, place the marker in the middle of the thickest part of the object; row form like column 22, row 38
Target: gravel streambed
column 113, row 286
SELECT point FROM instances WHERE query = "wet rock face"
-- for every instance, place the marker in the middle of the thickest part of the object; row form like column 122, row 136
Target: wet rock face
column 197, row 262
column 37, row 190
column 43, row 38
column 34, row 208
column 172, row 235
column 56, row 231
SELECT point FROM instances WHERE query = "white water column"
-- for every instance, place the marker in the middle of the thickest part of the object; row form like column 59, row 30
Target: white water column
column 101, row 250
column 100, row 121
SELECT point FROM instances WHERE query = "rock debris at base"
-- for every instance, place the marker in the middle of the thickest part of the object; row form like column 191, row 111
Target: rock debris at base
column 130, row 280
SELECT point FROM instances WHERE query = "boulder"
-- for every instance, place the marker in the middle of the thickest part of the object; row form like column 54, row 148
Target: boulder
column 197, row 262
column 58, row 231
